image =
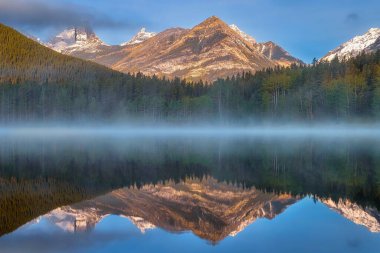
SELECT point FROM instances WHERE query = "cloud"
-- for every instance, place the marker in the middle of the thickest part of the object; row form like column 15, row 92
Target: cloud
column 36, row 14
column 352, row 17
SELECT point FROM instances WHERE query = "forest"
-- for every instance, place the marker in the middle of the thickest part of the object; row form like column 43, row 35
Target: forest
column 38, row 84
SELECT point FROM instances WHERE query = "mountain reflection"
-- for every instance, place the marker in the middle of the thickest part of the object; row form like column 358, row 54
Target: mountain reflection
column 212, row 187
column 209, row 209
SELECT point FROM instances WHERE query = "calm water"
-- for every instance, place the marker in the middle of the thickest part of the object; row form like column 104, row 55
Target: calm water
column 189, row 193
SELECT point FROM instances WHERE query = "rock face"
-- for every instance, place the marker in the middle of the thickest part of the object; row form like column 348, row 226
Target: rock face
column 209, row 209
column 208, row 51
column 367, row 43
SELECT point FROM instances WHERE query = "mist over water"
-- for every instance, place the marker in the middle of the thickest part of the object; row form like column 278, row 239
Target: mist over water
column 347, row 131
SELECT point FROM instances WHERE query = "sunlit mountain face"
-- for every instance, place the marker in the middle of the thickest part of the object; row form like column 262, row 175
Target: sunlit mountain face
column 99, row 193
column 208, row 51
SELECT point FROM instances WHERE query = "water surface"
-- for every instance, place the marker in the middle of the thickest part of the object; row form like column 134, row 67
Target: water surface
column 189, row 191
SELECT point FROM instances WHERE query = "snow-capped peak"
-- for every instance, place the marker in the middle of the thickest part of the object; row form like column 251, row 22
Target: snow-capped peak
column 76, row 39
column 140, row 37
column 243, row 34
column 367, row 42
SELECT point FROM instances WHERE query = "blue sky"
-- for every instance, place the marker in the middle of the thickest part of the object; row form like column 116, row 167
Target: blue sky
column 305, row 28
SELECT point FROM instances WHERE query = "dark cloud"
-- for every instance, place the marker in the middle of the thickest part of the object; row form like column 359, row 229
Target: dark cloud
column 36, row 14
column 352, row 17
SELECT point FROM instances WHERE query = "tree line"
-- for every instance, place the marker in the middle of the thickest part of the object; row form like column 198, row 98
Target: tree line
column 37, row 84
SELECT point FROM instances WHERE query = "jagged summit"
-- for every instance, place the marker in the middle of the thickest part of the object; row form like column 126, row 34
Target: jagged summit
column 140, row 37
column 367, row 43
column 76, row 39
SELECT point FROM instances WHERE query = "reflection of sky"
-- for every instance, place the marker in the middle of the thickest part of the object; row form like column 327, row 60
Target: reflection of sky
column 304, row 227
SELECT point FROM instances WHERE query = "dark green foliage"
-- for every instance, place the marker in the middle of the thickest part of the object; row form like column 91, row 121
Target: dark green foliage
column 25, row 61
column 23, row 200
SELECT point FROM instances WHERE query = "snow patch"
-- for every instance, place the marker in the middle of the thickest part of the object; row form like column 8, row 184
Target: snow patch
column 140, row 37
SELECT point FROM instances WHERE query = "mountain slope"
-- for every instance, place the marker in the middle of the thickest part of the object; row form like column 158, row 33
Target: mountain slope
column 367, row 43
column 243, row 34
column 23, row 59
column 277, row 54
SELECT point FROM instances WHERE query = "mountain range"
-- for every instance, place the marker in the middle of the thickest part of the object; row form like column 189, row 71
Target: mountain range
column 210, row 50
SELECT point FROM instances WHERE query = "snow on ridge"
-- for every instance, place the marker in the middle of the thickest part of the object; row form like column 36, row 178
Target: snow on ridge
column 354, row 46
column 243, row 34
column 140, row 37
column 76, row 39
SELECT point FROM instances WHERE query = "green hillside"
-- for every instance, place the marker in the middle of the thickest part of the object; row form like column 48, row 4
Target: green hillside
column 23, row 59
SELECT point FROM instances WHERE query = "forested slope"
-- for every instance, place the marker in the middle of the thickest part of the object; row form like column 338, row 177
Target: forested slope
column 24, row 60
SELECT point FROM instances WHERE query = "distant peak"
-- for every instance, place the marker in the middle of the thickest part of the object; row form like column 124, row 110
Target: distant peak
column 368, row 42
column 212, row 20
column 76, row 38
column 140, row 37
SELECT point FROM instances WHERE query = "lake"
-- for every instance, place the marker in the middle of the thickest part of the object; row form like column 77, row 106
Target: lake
column 189, row 191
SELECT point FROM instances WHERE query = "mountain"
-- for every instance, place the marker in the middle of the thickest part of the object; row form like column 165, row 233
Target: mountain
column 141, row 36
column 209, row 209
column 23, row 59
column 367, row 43
column 78, row 41
column 208, row 51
